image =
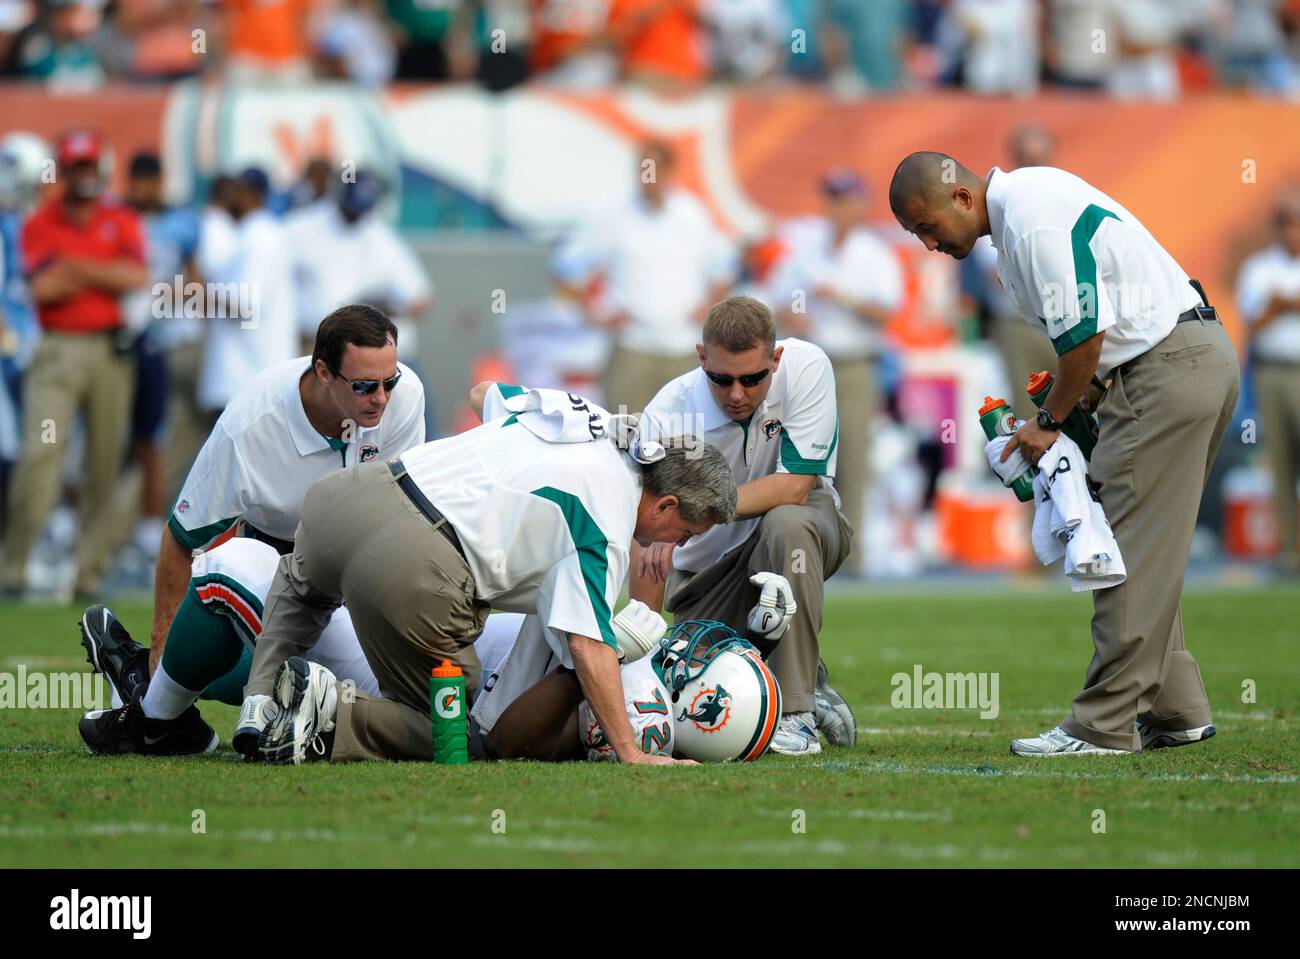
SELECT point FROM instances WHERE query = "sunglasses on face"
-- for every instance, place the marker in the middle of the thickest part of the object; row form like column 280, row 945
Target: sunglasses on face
column 747, row 380
column 366, row 387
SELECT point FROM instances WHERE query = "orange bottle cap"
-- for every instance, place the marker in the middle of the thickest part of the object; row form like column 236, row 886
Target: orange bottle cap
column 446, row 670
column 1038, row 382
column 991, row 403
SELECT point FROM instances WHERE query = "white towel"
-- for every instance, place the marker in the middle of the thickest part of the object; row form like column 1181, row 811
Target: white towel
column 559, row 417
column 1015, row 466
column 1069, row 523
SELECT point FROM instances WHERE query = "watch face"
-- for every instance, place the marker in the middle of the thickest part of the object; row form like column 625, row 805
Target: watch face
column 1045, row 420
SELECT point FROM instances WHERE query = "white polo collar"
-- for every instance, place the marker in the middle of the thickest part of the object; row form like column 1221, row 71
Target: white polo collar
column 995, row 200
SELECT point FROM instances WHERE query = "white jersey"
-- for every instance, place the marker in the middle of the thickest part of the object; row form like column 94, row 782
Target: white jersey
column 255, row 327
column 1266, row 273
column 1075, row 263
column 545, row 526
column 233, row 580
column 514, row 659
column 794, row 430
column 264, row 453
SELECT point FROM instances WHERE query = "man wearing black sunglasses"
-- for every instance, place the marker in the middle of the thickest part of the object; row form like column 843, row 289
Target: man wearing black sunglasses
column 770, row 408
column 350, row 402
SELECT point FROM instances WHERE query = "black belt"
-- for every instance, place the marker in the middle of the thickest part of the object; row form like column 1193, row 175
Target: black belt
column 409, row 487
column 282, row 546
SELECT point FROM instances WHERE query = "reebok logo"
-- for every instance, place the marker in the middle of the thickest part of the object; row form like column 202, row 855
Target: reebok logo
column 75, row 912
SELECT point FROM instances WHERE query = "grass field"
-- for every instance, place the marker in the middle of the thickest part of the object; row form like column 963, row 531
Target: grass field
column 923, row 786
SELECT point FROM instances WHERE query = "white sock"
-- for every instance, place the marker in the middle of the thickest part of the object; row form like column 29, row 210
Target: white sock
column 165, row 698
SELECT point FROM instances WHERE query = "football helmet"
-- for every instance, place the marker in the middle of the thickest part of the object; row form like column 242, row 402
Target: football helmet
column 725, row 702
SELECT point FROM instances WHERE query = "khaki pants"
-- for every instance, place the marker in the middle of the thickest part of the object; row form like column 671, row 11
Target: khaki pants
column 633, row 378
column 1277, row 392
column 806, row 544
column 856, row 401
column 410, row 595
column 1025, row 351
column 70, row 374
column 1161, row 423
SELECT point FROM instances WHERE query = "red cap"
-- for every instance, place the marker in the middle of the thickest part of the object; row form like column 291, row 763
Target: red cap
column 446, row 670
column 79, row 146
column 1038, row 382
column 991, row 403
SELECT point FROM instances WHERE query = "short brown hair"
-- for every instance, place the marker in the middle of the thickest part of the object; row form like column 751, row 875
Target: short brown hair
column 740, row 323
column 356, row 323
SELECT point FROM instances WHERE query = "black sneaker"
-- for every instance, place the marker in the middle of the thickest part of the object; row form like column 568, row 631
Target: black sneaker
column 110, row 732
column 111, row 651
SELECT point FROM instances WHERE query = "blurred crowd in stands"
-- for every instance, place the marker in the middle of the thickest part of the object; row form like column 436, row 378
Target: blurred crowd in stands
column 1158, row 49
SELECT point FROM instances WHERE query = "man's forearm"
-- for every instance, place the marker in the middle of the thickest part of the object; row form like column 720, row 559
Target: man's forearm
column 780, row 489
column 171, row 579
column 113, row 276
column 1074, row 372
column 602, row 685
column 55, row 282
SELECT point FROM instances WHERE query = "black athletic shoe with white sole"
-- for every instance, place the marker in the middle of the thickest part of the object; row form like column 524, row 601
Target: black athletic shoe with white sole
column 111, row 651
column 111, row 732
column 1153, row 738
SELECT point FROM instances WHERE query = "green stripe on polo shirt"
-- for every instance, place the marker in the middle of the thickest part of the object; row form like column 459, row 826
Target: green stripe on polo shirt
column 590, row 543
column 1085, row 278
column 508, row 390
column 198, row 538
column 795, row 462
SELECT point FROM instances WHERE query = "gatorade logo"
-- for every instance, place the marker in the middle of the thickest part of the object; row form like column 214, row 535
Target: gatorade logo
column 447, row 702
column 1007, row 425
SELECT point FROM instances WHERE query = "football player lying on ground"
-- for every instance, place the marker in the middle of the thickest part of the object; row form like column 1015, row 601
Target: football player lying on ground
column 530, row 512
column 701, row 692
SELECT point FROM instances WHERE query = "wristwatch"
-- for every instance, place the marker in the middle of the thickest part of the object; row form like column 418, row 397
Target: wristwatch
column 1045, row 420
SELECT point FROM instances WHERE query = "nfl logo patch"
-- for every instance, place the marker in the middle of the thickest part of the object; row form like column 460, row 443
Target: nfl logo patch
column 368, row 453
column 183, row 506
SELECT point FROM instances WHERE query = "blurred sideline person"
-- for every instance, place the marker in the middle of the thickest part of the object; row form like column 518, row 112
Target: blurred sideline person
column 82, row 253
column 1071, row 256
column 346, row 252
column 251, row 316
column 1268, row 295
column 1024, row 350
column 517, row 514
column 23, row 158
column 846, row 283
column 350, row 402
column 172, row 238
column 665, row 262
column 769, row 406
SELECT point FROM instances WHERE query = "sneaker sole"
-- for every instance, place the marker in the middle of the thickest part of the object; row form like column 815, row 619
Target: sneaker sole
column 1081, row 752
column 837, row 705
column 291, row 683
column 92, row 648
column 1171, row 739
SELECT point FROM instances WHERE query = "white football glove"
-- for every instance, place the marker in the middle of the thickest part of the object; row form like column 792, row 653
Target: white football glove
column 771, row 615
column 638, row 629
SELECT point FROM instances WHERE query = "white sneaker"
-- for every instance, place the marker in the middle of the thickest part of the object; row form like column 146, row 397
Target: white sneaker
column 1057, row 742
column 1153, row 738
column 308, row 699
column 796, row 735
column 257, row 713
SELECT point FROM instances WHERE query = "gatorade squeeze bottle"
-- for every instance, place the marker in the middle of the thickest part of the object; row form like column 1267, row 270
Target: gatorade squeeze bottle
column 1079, row 426
column 450, row 726
column 998, row 420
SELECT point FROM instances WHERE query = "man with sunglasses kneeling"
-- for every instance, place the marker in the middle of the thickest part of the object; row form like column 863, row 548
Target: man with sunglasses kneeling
column 296, row 422
column 770, row 408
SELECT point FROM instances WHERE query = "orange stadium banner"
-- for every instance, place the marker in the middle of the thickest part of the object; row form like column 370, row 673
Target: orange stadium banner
column 1201, row 173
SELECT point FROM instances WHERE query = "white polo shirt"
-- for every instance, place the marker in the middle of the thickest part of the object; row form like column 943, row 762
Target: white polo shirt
column 1075, row 262
column 660, row 263
column 545, row 526
column 794, row 430
column 1265, row 273
column 263, row 454
column 337, row 263
column 863, row 269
